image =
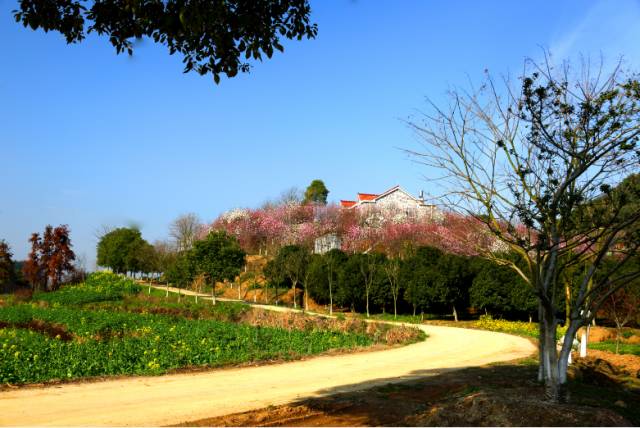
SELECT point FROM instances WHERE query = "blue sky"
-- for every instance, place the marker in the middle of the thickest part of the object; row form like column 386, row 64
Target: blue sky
column 90, row 138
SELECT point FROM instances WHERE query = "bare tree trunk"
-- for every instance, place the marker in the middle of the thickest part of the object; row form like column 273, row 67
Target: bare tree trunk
column 583, row 341
column 455, row 313
column 330, row 300
column 293, row 287
column 367, row 295
column 395, row 307
column 213, row 294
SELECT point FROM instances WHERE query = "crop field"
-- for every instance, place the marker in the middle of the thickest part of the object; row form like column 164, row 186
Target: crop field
column 102, row 328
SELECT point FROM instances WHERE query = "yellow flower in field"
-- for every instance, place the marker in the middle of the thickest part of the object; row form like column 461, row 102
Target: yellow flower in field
column 16, row 355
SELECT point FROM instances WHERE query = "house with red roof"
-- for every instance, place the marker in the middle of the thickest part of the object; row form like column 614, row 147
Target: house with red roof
column 395, row 202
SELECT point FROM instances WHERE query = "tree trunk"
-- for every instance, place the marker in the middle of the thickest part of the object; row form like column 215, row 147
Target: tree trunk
column 166, row 295
column 293, row 287
column 213, row 294
column 567, row 303
column 583, row 341
column 395, row 307
column 554, row 366
column 330, row 300
column 367, row 296
column 414, row 310
column 455, row 313
column 530, row 318
column 306, row 299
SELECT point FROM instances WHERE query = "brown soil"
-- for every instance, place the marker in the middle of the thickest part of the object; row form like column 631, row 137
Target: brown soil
column 498, row 395
column 49, row 329
column 623, row 362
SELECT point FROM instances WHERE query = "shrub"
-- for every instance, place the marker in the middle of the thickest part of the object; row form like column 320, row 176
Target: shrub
column 99, row 287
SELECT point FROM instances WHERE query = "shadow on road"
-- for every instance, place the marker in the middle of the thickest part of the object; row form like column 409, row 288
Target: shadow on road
column 494, row 395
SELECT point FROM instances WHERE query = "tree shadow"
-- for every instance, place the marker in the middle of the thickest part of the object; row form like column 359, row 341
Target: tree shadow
column 505, row 394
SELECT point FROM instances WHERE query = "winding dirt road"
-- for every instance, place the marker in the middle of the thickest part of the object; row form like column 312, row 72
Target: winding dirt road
column 171, row 399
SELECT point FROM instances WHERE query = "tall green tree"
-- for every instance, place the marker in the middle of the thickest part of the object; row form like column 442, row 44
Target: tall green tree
column 334, row 261
column 219, row 257
column 7, row 266
column 121, row 250
column 213, row 37
column 179, row 271
column 293, row 260
column 369, row 265
column 316, row 193
column 419, row 273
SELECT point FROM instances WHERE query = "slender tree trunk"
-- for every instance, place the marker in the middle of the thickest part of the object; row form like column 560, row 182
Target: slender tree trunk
column 306, row 299
column 293, row 287
column 395, row 307
column 166, row 294
column 541, row 365
column 330, row 300
column 414, row 310
column 455, row 313
column 213, row 294
column 367, row 295
column 567, row 303
column 583, row 341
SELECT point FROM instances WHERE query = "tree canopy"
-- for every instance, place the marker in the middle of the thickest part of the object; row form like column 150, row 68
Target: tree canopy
column 51, row 258
column 316, row 193
column 122, row 250
column 213, row 37
column 218, row 256
column 7, row 267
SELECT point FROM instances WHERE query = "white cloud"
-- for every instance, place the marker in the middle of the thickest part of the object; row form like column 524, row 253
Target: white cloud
column 607, row 28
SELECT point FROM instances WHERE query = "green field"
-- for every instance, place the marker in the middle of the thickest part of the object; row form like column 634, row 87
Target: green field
column 109, row 326
column 625, row 348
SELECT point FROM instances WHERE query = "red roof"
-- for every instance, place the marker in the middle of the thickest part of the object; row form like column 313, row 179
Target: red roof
column 347, row 204
column 366, row 196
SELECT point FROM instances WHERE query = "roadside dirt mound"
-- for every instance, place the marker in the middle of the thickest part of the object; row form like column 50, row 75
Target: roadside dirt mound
column 599, row 334
column 380, row 333
column 605, row 368
column 490, row 409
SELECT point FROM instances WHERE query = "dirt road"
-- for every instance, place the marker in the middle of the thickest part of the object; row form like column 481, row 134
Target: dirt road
column 170, row 399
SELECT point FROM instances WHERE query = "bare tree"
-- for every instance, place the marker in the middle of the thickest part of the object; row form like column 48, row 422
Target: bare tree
column 102, row 230
column 536, row 163
column 184, row 230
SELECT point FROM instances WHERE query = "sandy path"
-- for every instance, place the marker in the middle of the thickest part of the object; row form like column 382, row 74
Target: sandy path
column 170, row 399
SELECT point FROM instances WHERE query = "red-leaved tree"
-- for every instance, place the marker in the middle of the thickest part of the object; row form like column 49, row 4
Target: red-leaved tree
column 50, row 259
